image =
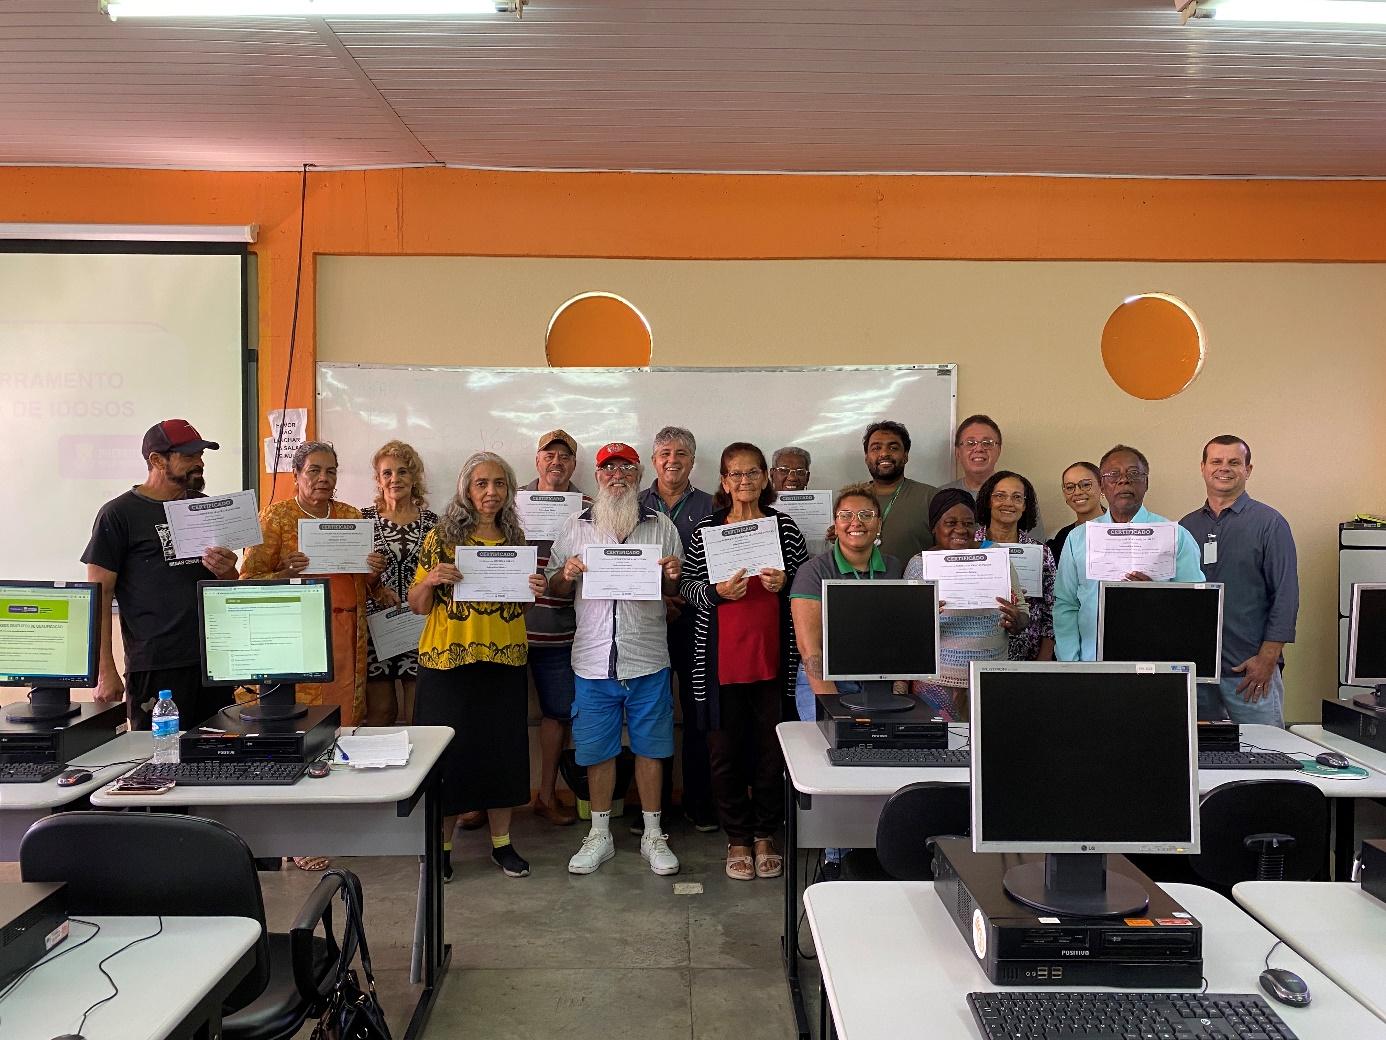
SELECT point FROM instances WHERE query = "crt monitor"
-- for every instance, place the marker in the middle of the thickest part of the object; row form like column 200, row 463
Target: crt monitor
column 50, row 641
column 877, row 632
column 1367, row 641
column 270, row 634
column 1162, row 621
column 1079, row 760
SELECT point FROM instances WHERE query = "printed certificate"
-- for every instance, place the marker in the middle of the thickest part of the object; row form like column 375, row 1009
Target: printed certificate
column 336, row 546
column 1115, row 550
column 495, row 573
column 622, row 572
column 543, row 513
column 1028, row 561
column 970, row 579
column 749, row 546
column 227, row 521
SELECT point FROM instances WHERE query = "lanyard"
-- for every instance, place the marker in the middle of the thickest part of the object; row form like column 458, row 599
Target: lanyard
column 678, row 506
column 885, row 513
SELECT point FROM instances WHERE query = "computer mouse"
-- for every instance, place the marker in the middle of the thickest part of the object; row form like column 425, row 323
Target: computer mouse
column 318, row 770
column 73, row 777
column 1285, row 986
column 1332, row 760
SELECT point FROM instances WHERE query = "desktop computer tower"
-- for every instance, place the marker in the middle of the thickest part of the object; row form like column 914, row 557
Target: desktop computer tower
column 1016, row 945
column 33, row 919
column 63, row 740
column 1357, row 722
column 916, row 728
column 297, row 740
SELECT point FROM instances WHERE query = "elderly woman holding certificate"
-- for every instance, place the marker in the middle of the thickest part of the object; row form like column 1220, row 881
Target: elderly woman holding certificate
column 472, row 656
column 745, row 658
column 964, row 635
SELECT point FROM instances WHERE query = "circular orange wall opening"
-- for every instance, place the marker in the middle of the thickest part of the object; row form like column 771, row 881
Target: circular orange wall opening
column 1153, row 346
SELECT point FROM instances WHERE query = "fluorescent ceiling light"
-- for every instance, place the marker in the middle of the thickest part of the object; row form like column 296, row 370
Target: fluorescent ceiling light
column 131, row 232
column 383, row 9
column 1327, row 12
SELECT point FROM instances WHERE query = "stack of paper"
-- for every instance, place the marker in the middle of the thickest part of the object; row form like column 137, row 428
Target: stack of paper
column 375, row 751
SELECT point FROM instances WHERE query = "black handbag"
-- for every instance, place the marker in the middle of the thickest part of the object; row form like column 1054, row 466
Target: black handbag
column 350, row 1012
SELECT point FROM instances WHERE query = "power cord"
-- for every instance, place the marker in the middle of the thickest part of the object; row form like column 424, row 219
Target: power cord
column 101, row 967
column 293, row 327
column 1278, row 942
column 49, row 960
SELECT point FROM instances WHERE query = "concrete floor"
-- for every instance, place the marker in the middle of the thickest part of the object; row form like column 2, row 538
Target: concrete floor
column 608, row 956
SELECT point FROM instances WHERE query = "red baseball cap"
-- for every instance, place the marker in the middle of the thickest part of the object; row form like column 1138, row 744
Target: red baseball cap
column 617, row 450
column 174, row 435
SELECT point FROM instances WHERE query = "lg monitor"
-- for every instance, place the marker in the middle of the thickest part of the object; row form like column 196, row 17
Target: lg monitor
column 1162, row 621
column 877, row 632
column 1079, row 760
column 50, row 641
column 1367, row 642
column 268, row 634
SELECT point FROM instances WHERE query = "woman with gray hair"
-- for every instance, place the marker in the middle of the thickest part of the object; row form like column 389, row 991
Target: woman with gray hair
column 472, row 660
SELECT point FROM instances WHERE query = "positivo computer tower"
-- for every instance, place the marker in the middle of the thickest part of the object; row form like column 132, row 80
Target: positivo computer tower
column 296, row 740
column 1017, row 945
column 62, row 740
column 916, row 728
column 33, row 920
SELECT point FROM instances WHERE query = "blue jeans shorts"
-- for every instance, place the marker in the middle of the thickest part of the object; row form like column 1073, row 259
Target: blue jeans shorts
column 647, row 704
column 552, row 669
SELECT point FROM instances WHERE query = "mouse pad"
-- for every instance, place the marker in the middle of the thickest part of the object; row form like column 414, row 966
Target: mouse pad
column 1350, row 773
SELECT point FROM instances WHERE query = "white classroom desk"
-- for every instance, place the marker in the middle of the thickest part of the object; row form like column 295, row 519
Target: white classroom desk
column 1359, row 753
column 352, row 812
column 171, row 987
column 894, row 964
column 1336, row 927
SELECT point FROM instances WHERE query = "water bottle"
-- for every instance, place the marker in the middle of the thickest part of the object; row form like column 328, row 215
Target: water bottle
column 165, row 718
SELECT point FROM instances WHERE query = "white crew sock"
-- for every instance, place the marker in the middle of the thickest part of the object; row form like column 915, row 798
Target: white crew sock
column 601, row 822
column 652, row 822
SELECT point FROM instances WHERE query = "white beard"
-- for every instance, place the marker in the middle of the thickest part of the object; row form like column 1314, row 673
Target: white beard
column 616, row 514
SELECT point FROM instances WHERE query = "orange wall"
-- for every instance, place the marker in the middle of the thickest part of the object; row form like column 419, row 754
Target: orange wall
column 463, row 212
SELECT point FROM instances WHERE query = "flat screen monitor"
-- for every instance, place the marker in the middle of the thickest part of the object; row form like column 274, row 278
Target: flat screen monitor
column 1162, row 621
column 1079, row 760
column 50, row 641
column 270, row 634
column 876, row 632
column 1367, row 636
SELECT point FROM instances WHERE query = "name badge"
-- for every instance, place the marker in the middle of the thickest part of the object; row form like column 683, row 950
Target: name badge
column 1210, row 551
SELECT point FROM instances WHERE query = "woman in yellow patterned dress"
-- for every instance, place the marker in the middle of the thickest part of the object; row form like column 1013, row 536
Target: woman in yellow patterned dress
column 472, row 659
column 315, row 484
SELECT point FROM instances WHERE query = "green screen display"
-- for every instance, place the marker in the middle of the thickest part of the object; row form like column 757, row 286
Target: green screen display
column 46, row 634
column 252, row 632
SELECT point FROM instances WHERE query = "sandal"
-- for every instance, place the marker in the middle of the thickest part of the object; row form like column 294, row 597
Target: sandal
column 311, row 863
column 739, row 864
column 769, row 863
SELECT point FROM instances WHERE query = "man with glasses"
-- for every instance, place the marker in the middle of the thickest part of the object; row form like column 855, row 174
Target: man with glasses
column 789, row 468
column 1125, row 477
column 1248, row 547
column 620, row 657
column 977, row 452
column 904, row 503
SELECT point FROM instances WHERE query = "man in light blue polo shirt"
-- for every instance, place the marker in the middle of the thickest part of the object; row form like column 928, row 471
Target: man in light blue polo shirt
column 1125, row 476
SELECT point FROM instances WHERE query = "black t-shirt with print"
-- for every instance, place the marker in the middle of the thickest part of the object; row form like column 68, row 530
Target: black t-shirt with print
column 157, row 593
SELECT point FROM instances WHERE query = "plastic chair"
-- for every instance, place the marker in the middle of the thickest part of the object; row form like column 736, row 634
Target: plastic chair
column 1261, row 830
column 914, row 815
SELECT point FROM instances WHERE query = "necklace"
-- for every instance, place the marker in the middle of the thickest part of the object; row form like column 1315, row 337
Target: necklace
column 304, row 510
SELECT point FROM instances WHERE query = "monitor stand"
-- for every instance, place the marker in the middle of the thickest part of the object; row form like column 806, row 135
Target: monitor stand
column 276, row 703
column 877, row 698
column 1374, row 701
column 1075, row 884
column 46, row 704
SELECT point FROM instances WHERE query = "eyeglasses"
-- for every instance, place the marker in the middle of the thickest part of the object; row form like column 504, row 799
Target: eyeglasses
column 846, row 516
column 973, row 442
column 786, row 471
column 624, row 468
column 1018, row 497
column 1132, row 475
column 1082, row 485
column 736, row 476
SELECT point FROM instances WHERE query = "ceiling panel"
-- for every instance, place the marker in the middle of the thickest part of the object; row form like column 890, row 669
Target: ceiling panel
column 999, row 86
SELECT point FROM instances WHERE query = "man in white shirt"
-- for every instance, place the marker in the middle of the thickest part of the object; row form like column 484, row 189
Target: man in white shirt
column 620, row 658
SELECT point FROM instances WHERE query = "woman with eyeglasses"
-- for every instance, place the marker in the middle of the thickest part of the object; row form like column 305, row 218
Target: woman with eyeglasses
column 744, row 658
column 1005, row 513
column 964, row 635
column 1082, row 489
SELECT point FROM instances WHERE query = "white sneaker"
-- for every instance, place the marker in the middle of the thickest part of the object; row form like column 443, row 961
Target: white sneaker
column 596, row 849
column 655, row 848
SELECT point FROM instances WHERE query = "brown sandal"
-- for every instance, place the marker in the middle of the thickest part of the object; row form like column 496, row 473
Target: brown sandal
column 739, row 865
column 769, row 863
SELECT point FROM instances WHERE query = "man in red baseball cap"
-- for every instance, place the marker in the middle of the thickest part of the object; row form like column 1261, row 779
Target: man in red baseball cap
column 131, row 555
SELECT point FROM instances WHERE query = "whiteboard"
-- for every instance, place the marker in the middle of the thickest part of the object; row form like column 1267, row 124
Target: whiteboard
column 448, row 413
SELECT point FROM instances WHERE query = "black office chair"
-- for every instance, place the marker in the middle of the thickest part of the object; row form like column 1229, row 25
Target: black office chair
column 1261, row 830
column 138, row 864
column 911, row 817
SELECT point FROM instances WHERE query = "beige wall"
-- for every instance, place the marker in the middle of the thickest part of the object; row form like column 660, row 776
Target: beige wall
column 1295, row 362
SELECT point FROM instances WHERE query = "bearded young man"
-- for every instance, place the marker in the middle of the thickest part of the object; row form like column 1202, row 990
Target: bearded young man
column 620, row 658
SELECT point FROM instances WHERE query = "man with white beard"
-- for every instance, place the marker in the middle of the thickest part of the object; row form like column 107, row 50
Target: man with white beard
column 620, row 658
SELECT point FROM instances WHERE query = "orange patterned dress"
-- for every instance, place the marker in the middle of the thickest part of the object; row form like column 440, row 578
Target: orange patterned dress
column 279, row 528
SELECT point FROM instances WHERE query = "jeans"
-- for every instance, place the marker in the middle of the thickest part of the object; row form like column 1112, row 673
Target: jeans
column 1222, row 701
column 804, row 700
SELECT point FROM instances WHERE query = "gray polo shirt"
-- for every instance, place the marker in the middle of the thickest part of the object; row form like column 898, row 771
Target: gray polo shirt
column 1256, row 564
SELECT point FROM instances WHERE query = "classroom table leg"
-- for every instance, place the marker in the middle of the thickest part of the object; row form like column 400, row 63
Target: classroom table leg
column 429, row 919
column 789, row 940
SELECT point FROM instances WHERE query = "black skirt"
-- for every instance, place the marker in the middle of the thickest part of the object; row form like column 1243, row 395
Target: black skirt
column 487, row 764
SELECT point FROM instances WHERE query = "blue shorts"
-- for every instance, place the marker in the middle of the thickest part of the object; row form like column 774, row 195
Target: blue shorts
column 648, row 707
column 552, row 669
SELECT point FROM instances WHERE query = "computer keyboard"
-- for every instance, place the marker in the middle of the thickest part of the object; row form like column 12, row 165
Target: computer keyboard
column 28, row 772
column 1115, row 1016
column 1245, row 760
column 918, row 758
column 220, row 774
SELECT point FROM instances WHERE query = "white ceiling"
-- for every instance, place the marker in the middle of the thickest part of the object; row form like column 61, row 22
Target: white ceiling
column 1089, row 87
